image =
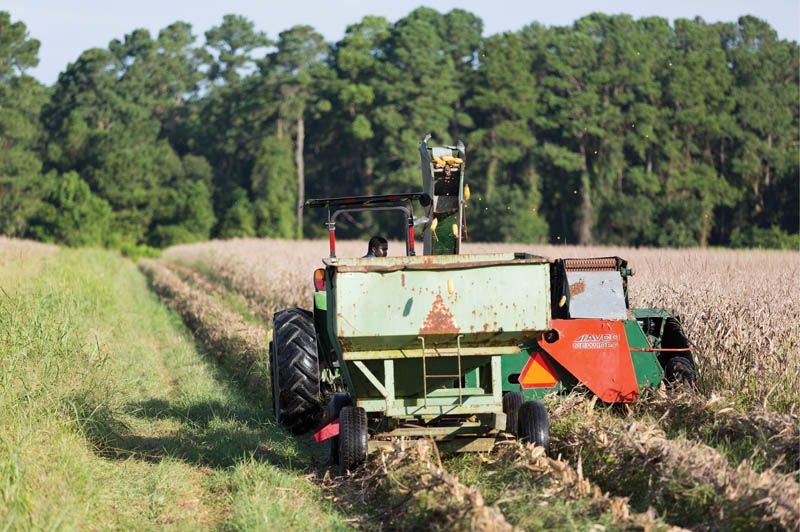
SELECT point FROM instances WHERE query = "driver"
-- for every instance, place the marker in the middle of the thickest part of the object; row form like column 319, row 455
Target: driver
column 377, row 247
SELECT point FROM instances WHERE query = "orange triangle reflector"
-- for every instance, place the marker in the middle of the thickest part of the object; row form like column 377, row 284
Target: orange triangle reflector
column 538, row 373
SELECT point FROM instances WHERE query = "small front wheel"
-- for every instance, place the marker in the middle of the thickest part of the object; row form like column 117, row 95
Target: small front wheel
column 353, row 437
column 533, row 425
column 337, row 402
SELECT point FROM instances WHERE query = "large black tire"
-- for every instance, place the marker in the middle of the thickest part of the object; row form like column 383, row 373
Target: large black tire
column 335, row 404
column 512, row 401
column 353, row 437
column 295, row 372
column 272, row 366
column 533, row 425
column 680, row 370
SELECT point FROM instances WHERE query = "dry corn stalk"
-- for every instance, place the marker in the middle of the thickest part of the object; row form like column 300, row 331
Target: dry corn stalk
column 631, row 448
column 223, row 332
column 571, row 482
column 412, row 470
column 775, row 435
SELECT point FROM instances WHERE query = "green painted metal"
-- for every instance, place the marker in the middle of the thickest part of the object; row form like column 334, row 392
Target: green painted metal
column 398, row 392
column 428, row 262
column 640, row 313
column 502, row 304
column 445, row 242
column 321, row 300
column 645, row 363
column 472, row 378
column 512, row 367
column 436, row 351
column 660, row 315
column 434, row 407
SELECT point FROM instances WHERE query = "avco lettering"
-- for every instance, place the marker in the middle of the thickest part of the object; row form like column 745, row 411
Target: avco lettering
column 596, row 341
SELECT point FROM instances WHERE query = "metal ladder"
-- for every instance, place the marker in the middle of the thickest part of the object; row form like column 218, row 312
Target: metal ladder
column 427, row 376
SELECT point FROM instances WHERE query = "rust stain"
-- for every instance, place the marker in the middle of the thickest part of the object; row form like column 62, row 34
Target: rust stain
column 485, row 327
column 403, row 280
column 439, row 320
column 577, row 288
column 345, row 343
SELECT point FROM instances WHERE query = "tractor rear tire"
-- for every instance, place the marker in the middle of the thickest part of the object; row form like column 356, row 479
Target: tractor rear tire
column 272, row 370
column 533, row 426
column 297, row 397
column 353, row 445
column 512, row 401
column 680, row 370
column 338, row 401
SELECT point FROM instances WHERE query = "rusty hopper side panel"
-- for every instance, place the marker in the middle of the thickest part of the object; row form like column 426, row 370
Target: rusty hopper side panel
column 396, row 306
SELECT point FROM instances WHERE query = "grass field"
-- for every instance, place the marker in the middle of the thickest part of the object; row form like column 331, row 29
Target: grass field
column 114, row 417
column 135, row 397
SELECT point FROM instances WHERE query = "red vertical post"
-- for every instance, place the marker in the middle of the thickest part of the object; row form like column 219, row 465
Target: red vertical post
column 332, row 240
column 411, row 238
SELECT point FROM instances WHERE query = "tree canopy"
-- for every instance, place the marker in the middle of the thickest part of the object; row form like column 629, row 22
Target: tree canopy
column 610, row 130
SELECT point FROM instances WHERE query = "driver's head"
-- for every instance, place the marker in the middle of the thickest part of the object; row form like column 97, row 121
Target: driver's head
column 378, row 246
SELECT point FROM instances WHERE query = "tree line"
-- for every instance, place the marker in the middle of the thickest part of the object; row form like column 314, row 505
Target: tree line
column 611, row 130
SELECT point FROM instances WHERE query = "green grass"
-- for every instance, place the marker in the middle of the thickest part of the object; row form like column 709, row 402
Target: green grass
column 111, row 418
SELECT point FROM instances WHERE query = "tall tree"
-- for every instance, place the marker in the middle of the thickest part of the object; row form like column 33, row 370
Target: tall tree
column 297, row 67
column 357, row 61
column 416, row 92
column 698, row 96
column 21, row 98
column 231, row 46
column 506, row 103
column 766, row 92
column 105, row 122
column 274, row 190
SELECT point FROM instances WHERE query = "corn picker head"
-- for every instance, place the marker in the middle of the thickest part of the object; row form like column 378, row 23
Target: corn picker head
column 597, row 341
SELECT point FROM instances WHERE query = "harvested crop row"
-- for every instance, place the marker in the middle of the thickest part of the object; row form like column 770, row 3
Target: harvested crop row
column 247, row 308
column 691, row 482
column 769, row 437
column 414, row 491
column 223, row 332
column 536, row 491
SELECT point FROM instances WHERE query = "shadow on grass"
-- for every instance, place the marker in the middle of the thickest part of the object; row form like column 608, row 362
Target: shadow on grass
column 209, row 433
column 205, row 433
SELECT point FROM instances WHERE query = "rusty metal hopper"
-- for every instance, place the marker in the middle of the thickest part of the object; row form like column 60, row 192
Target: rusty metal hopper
column 389, row 307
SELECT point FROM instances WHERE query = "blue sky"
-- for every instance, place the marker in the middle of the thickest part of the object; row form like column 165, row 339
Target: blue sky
column 66, row 28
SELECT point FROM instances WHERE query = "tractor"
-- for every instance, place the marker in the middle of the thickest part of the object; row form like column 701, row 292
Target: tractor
column 459, row 348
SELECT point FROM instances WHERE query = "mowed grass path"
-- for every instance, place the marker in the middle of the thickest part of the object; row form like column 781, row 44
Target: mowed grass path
column 111, row 418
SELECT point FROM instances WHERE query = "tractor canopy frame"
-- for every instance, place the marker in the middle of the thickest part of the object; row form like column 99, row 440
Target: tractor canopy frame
column 385, row 202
